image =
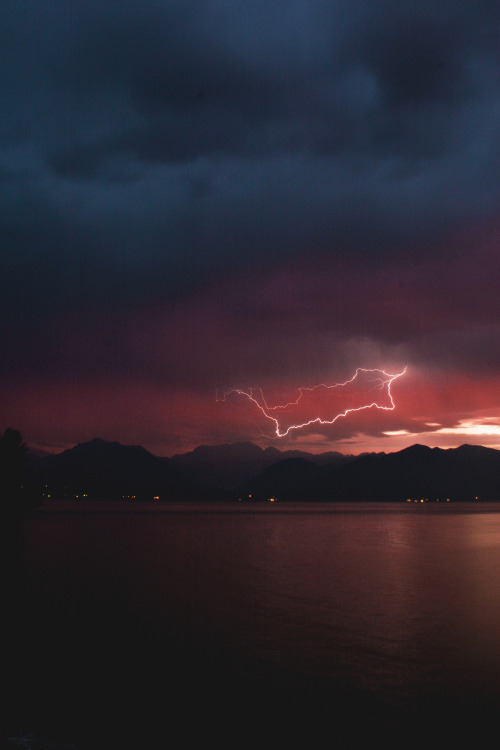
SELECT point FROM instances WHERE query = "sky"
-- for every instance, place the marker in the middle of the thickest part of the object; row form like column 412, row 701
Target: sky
column 201, row 196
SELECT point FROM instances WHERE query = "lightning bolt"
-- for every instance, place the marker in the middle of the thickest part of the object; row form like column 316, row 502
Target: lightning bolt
column 376, row 380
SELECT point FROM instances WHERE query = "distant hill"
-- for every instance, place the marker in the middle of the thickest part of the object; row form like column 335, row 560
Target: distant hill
column 418, row 472
column 230, row 465
column 108, row 470
column 100, row 469
column 292, row 479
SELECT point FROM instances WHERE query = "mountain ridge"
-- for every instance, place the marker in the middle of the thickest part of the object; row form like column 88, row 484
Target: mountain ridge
column 102, row 469
column 229, row 465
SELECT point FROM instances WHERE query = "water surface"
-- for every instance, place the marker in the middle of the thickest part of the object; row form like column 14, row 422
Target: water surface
column 374, row 621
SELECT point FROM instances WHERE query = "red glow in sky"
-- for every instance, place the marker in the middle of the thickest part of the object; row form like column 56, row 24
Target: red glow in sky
column 324, row 404
column 227, row 211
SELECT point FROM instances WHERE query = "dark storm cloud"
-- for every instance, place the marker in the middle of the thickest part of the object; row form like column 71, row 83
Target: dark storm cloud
column 383, row 103
column 148, row 147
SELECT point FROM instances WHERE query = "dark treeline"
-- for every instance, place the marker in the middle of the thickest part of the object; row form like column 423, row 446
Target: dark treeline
column 16, row 629
column 13, row 453
column 15, row 499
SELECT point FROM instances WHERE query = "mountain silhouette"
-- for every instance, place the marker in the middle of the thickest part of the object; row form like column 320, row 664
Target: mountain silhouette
column 466, row 473
column 292, row 479
column 418, row 472
column 108, row 470
column 230, row 465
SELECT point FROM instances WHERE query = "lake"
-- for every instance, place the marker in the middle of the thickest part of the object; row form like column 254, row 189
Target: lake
column 354, row 624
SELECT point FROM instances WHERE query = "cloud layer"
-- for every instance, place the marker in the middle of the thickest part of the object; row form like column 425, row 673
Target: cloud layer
column 206, row 193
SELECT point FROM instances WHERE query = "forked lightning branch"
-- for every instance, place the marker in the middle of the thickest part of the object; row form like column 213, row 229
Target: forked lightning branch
column 324, row 404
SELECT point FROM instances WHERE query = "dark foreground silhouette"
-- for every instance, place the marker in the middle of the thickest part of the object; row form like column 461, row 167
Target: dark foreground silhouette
column 13, row 506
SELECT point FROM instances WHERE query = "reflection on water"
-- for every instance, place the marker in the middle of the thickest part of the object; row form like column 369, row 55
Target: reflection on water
column 372, row 620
